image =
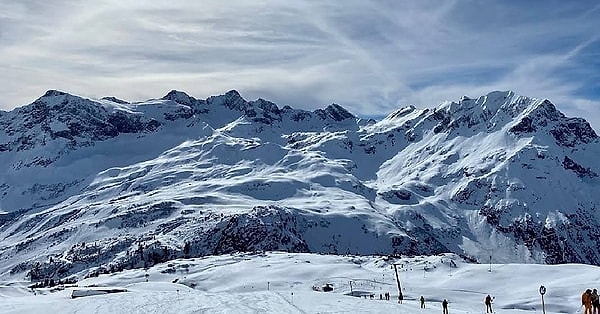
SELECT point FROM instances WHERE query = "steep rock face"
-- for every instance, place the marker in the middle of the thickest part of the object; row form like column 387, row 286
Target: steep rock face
column 92, row 186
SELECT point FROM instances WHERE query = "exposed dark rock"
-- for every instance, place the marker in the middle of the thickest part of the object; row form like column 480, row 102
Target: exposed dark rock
column 115, row 100
column 334, row 112
column 581, row 171
column 524, row 126
column 572, row 132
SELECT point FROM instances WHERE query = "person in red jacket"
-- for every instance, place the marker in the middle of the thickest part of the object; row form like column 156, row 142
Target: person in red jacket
column 586, row 301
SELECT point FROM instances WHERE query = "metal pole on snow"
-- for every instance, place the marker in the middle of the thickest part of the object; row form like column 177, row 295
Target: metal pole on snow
column 400, row 296
column 542, row 292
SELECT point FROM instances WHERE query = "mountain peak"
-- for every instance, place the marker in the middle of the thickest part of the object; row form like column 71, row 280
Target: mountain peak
column 179, row 97
column 465, row 98
column 233, row 93
column 549, row 110
column 115, row 100
column 232, row 100
column 54, row 98
column 54, row 93
column 335, row 112
column 498, row 94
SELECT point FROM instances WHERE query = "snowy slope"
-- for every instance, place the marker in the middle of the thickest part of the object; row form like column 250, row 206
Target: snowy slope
column 93, row 186
column 283, row 283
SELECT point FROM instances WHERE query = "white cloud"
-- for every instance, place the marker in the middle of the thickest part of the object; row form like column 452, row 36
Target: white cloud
column 369, row 56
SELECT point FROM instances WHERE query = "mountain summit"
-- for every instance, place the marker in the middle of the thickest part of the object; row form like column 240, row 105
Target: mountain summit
column 98, row 185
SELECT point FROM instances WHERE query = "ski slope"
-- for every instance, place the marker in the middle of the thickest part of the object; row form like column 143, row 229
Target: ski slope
column 279, row 282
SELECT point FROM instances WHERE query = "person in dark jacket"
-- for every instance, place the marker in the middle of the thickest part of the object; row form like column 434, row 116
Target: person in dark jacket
column 595, row 302
column 445, row 306
column 422, row 299
column 488, row 304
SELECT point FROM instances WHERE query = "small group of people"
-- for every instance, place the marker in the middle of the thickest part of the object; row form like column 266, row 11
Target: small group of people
column 590, row 301
column 385, row 296
column 444, row 304
column 488, row 304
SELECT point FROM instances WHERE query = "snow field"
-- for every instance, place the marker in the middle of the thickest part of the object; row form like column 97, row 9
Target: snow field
column 282, row 283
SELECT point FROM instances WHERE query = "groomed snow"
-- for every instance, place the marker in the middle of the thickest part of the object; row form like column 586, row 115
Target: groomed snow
column 282, row 283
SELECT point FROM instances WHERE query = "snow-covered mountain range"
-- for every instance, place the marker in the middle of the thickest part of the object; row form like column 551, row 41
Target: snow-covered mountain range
column 98, row 185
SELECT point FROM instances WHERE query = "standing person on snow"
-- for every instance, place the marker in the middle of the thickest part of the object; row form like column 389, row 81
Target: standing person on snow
column 422, row 302
column 586, row 301
column 595, row 302
column 488, row 304
column 445, row 306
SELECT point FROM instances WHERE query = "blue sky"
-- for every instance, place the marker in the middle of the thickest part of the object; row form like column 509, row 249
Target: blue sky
column 371, row 57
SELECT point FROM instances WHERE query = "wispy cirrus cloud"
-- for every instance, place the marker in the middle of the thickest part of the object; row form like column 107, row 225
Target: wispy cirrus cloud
column 370, row 56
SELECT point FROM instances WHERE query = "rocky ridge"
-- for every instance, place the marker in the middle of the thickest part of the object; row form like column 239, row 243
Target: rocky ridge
column 92, row 186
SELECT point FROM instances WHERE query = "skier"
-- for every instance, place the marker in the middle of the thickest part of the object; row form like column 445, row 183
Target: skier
column 445, row 306
column 586, row 301
column 422, row 302
column 595, row 301
column 488, row 304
